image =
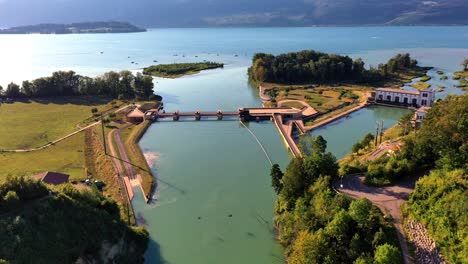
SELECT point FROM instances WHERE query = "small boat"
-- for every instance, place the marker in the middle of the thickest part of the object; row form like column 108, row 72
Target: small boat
column 155, row 61
column 102, row 52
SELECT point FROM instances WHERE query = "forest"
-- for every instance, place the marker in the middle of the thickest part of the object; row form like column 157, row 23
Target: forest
column 119, row 85
column 61, row 224
column 311, row 66
column 179, row 69
column 317, row 225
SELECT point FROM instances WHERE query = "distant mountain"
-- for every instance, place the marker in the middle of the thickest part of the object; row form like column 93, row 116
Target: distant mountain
column 208, row 13
column 75, row 28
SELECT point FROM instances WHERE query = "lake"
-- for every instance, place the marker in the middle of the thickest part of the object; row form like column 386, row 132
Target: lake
column 214, row 202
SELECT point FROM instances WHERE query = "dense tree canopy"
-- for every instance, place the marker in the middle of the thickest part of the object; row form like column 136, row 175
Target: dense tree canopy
column 440, row 202
column 318, row 226
column 61, row 226
column 311, row 66
column 122, row 84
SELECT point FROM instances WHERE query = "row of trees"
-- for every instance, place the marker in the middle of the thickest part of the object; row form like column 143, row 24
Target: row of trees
column 123, row 85
column 317, row 226
column 310, row 66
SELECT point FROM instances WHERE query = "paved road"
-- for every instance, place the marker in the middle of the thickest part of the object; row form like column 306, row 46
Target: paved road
column 388, row 199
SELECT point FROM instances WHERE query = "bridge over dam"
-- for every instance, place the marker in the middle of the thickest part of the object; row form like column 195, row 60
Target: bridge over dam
column 284, row 119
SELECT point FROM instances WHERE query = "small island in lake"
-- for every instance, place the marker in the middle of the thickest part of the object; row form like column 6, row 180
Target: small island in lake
column 177, row 70
column 75, row 28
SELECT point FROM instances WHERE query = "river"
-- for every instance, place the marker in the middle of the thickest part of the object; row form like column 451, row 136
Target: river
column 214, row 203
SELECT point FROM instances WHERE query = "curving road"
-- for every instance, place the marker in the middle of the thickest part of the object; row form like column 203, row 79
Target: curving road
column 389, row 199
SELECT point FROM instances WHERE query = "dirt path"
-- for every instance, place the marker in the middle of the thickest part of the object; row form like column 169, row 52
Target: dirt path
column 388, row 199
column 114, row 155
column 51, row 143
column 307, row 111
column 124, row 156
column 62, row 138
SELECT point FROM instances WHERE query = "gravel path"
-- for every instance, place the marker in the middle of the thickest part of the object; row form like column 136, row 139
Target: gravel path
column 388, row 199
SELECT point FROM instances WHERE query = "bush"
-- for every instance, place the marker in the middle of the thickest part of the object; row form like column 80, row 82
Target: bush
column 11, row 200
column 94, row 110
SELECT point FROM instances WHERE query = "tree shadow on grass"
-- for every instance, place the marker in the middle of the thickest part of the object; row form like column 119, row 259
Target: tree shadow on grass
column 63, row 100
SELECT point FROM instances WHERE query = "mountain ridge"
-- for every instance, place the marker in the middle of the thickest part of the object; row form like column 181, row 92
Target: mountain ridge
column 218, row 13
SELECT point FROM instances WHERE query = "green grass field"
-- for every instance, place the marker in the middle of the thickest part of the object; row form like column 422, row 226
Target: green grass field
column 66, row 157
column 33, row 123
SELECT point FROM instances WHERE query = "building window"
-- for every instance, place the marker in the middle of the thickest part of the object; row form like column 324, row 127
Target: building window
column 389, row 98
column 424, row 94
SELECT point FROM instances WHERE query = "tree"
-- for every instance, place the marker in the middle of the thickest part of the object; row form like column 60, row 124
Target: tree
column 359, row 210
column 13, row 90
column 387, row 254
column 276, row 177
column 26, row 88
column 11, row 200
column 1, row 91
column 143, row 86
column 465, row 64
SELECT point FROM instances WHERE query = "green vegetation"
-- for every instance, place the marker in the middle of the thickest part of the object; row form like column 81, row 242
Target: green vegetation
column 66, row 157
column 440, row 72
column 176, row 70
column 443, row 78
column 439, row 202
column 315, row 67
column 369, row 138
column 421, row 85
column 440, row 142
column 121, row 85
column 425, row 78
column 99, row 167
column 316, row 225
column 462, row 76
column 440, row 88
column 35, row 122
column 75, row 28
column 322, row 98
column 64, row 226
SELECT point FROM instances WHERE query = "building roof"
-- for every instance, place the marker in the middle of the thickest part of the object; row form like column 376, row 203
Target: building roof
column 391, row 90
column 136, row 113
column 423, row 109
column 50, row 177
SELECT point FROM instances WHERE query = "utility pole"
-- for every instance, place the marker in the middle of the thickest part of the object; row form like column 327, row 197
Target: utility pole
column 103, row 135
column 381, row 131
column 376, row 133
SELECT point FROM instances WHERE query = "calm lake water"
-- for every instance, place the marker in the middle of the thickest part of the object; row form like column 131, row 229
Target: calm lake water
column 214, row 200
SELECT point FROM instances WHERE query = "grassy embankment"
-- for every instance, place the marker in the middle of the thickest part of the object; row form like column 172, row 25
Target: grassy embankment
column 131, row 136
column 394, row 133
column 177, row 70
column 99, row 166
